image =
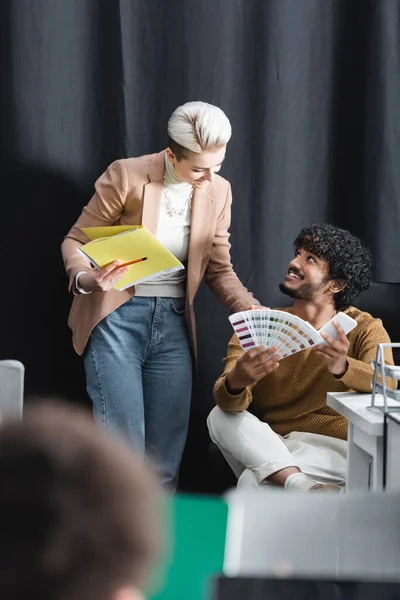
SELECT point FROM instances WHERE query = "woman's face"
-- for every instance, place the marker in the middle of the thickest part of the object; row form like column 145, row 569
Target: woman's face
column 198, row 168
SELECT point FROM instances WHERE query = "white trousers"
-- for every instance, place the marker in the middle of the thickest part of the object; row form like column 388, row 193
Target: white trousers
column 254, row 451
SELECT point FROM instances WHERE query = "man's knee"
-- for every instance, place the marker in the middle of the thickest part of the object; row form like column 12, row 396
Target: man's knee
column 218, row 421
column 214, row 422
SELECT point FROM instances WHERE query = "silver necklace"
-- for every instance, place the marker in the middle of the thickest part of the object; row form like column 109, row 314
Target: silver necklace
column 171, row 209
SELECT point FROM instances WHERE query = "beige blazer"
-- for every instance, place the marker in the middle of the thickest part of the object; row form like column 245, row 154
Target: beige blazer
column 129, row 193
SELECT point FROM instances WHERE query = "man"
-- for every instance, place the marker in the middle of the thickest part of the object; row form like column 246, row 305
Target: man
column 300, row 443
column 78, row 516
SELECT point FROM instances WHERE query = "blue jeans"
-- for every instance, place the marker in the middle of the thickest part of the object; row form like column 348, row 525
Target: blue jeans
column 138, row 366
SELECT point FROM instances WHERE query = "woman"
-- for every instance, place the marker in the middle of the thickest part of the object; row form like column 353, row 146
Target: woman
column 137, row 344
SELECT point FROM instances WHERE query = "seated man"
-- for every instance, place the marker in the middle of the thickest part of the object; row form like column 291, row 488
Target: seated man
column 300, row 443
column 79, row 513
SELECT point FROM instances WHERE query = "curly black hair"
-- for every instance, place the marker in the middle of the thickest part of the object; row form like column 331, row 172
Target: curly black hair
column 349, row 260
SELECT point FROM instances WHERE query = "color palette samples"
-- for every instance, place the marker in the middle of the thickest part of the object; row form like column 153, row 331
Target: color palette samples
column 267, row 327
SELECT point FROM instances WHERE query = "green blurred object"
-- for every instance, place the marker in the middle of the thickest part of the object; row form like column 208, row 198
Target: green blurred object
column 197, row 529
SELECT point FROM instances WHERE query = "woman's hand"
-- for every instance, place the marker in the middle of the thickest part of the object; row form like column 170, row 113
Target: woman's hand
column 253, row 366
column 257, row 307
column 102, row 280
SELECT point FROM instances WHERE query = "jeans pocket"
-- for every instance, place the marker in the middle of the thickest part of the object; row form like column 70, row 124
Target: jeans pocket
column 178, row 305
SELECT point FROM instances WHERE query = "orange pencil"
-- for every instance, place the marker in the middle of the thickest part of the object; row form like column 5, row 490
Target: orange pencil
column 132, row 262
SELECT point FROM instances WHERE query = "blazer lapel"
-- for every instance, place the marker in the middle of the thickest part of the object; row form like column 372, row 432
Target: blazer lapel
column 202, row 211
column 153, row 193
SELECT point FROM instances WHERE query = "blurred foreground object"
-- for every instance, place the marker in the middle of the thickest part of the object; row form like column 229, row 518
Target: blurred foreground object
column 78, row 512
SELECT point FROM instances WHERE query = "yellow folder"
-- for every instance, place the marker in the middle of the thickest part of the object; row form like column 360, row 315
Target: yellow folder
column 129, row 244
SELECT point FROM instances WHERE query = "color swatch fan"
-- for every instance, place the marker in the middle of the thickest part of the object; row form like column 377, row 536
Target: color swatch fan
column 267, row 327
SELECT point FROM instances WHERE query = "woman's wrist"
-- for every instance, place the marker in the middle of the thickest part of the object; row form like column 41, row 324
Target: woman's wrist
column 77, row 287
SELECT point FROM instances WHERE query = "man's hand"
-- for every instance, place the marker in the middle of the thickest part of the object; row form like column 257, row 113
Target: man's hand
column 334, row 353
column 102, row 280
column 253, row 366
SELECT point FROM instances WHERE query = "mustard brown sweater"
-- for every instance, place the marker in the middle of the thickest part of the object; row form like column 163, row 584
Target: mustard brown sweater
column 293, row 398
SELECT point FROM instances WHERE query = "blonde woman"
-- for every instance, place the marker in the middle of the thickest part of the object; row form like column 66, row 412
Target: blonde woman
column 139, row 345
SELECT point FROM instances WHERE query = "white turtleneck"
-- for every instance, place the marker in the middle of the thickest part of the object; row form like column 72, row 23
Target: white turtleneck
column 173, row 231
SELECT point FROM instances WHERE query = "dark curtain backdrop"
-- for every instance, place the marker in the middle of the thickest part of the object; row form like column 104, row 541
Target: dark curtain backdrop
column 312, row 91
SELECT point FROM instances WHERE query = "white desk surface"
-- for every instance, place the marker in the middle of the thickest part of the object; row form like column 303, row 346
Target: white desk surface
column 395, row 415
column 354, row 408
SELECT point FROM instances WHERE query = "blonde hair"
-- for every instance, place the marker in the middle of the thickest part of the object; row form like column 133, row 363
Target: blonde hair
column 198, row 127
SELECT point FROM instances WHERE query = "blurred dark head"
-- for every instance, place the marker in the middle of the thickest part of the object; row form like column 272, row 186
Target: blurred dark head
column 78, row 512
